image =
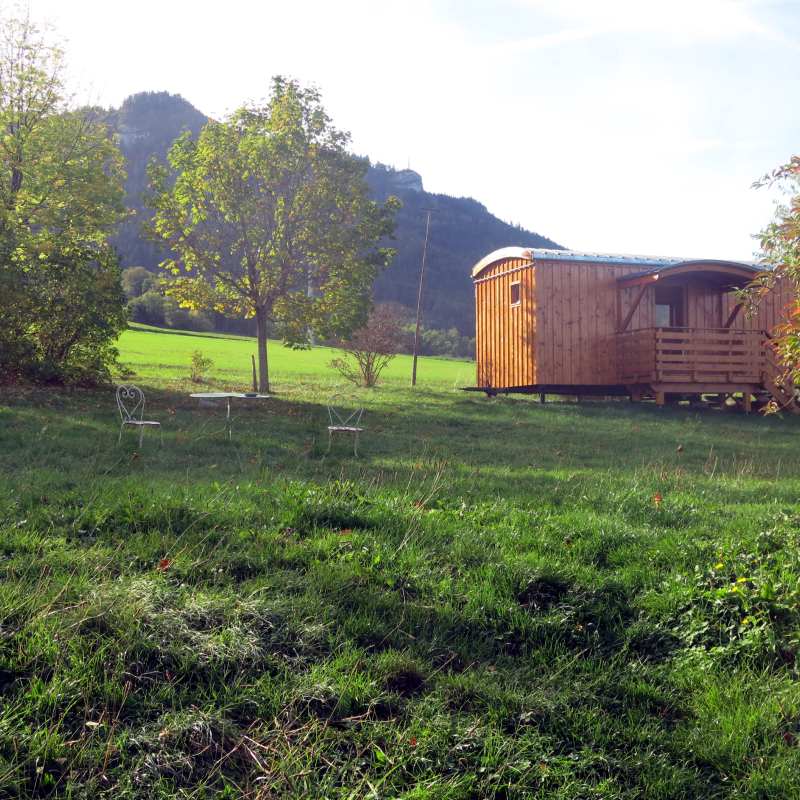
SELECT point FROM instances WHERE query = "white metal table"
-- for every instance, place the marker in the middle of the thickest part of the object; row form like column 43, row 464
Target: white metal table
column 226, row 396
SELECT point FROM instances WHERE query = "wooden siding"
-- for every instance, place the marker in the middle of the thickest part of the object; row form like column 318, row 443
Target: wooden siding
column 564, row 330
column 506, row 333
column 703, row 306
column 577, row 319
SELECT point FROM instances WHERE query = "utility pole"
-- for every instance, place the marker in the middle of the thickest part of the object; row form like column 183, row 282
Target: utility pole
column 310, row 293
column 419, row 299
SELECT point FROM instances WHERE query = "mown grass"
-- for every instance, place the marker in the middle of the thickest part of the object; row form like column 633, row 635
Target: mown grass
column 490, row 602
column 160, row 358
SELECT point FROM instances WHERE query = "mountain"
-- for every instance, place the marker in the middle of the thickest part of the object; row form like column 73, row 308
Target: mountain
column 461, row 233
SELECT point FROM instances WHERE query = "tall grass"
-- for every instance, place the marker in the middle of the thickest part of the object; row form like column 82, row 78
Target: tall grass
column 490, row 602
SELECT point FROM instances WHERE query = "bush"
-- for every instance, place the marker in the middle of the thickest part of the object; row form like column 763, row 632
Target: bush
column 185, row 319
column 370, row 348
column 198, row 365
column 62, row 317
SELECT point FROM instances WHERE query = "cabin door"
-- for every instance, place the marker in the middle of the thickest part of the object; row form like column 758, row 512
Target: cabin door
column 670, row 306
column 670, row 312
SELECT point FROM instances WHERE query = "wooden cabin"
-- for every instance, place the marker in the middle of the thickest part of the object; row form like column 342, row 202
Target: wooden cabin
column 573, row 323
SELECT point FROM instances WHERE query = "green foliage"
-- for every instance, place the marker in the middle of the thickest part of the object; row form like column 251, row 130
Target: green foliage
column 198, row 364
column 136, row 281
column 186, row 319
column 60, row 165
column 149, row 308
column 148, row 123
column 62, row 319
column 780, row 243
column 148, row 304
column 60, row 195
column 434, row 342
column 270, row 217
column 462, row 233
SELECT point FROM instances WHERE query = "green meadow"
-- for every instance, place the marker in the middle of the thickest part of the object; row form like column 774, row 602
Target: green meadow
column 162, row 359
column 495, row 599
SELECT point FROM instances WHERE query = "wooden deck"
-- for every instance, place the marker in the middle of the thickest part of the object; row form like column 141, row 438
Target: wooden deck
column 691, row 355
column 659, row 361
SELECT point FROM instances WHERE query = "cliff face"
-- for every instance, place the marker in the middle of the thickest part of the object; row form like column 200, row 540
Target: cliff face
column 462, row 232
column 407, row 180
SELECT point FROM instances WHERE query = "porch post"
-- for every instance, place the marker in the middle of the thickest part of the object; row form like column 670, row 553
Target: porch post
column 629, row 316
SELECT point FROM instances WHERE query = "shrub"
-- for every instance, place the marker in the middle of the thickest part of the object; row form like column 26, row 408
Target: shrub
column 149, row 306
column 60, row 323
column 370, row 348
column 184, row 319
column 198, row 365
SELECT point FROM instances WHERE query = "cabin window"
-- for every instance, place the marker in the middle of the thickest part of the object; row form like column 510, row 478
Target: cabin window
column 515, row 301
column 669, row 307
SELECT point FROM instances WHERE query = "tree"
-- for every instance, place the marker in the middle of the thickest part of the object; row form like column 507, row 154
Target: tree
column 60, row 197
column 371, row 348
column 269, row 216
column 148, row 304
column 136, row 281
column 61, row 169
column 780, row 243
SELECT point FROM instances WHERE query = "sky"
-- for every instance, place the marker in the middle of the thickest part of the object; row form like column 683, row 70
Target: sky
column 621, row 126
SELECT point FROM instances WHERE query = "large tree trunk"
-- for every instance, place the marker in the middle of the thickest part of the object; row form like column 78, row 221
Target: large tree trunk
column 263, row 369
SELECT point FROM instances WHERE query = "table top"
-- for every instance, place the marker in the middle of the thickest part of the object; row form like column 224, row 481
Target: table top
column 220, row 395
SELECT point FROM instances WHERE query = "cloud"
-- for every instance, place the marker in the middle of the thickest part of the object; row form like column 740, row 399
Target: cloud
column 537, row 42
column 685, row 20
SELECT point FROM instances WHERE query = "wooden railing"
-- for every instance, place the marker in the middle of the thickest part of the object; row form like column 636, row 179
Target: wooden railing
column 692, row 355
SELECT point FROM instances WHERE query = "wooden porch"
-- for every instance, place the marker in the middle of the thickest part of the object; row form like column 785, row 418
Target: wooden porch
column 662, row 361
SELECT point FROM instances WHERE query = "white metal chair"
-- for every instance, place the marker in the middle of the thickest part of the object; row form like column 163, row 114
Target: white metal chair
column 344, row 412
column 130, row 402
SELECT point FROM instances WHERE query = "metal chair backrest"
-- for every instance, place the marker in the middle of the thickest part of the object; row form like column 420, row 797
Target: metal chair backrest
column 345, row 410
column 130, row 402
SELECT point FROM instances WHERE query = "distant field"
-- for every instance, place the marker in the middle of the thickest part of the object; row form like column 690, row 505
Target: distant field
column 161, row 357
column 496, row 600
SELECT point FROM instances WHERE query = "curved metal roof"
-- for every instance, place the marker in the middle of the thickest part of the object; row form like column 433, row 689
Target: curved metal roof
column 725, row 276
column 657, row 264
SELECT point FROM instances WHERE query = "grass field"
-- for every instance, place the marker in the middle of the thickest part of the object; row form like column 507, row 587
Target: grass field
column 162, row 359
column 497, row 599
